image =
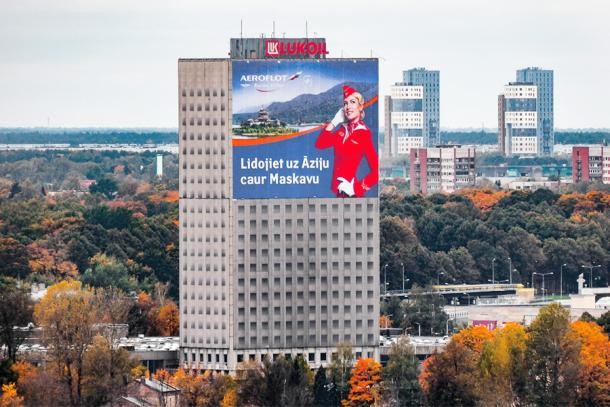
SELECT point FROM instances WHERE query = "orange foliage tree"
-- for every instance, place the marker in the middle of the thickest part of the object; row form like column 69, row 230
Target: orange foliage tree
column 9, row 397
column 364, row 383
column 484, row 199
column 168, row 319
column 473, row 337
column 385, row 322
column 594, row 375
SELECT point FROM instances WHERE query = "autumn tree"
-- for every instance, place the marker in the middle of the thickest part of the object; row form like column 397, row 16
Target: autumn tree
column 552, row 358
column 15, row 311
column 67, row 314
column 449, row 378
column 400, row 375
column 503, row 366
column 364, row 384
column 37, row 385
column 473, row 337
column 106, row 372
column 594, row 373
column 9, row 397
column 168, row 319
column 385, row 322
column 252, row 385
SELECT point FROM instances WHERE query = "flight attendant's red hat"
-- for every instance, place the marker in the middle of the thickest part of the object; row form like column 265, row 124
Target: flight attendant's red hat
column 348, row 91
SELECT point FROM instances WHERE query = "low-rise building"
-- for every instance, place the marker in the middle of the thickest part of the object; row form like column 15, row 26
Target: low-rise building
column 444, row 168
column 591, row 164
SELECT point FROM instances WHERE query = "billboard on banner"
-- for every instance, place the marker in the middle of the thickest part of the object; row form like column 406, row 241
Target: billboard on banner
column 305, row 128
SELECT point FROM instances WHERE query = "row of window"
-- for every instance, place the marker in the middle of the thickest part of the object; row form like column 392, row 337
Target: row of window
column 264, row 311
column 313, row 324
column 199, row 151
column 299, row 208
column 299, row 340
column 207, row 107
column 264, row 282
column 287, row 295
column 204, row 92
column 207, row 121
column 205, row 180
column 206, row 137
column 264, row 223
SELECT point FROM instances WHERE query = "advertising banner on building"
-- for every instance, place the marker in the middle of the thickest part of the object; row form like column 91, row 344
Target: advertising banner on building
column 305, row 128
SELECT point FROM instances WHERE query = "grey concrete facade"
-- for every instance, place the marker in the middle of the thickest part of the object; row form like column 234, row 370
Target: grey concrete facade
column 264, row 276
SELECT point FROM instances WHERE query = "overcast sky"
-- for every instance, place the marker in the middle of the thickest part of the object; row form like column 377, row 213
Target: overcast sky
column 113, row 63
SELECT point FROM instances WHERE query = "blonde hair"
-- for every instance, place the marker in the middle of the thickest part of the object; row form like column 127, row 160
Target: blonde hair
column 360, row 100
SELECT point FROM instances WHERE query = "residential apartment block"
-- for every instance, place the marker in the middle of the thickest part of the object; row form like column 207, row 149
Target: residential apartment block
column 444, row 168
column 591, row 164
column 525, row 114
column 413, row 120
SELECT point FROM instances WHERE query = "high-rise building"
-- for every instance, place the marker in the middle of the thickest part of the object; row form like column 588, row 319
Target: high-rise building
column 268, row 267
column 525, row 114
column 543, row 79
column 591, row 164
column 444, row 168
column 414, row 105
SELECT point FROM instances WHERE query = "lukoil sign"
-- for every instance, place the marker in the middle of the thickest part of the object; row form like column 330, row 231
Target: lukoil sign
column 275, row 48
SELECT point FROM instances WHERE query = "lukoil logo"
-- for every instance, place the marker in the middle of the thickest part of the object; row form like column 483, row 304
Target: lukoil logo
column 275, row 48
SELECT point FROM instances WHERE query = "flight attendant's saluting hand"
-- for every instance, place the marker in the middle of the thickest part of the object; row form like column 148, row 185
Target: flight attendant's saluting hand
column 352, row 140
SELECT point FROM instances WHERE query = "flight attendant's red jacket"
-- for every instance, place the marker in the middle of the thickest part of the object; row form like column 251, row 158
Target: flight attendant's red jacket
column 351, row 142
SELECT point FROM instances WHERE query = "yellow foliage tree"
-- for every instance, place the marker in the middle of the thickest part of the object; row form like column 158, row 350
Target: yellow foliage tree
column 364, row 384
column 503, row 365
column 67, row 314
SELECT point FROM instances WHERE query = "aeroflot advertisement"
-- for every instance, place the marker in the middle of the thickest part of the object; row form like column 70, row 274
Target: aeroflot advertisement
column 305, row 128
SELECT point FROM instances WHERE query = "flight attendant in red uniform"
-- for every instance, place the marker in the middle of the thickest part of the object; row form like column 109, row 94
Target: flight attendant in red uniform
column 351, row 141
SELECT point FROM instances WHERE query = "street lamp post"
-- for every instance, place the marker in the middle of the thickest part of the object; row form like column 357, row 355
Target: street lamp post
column 418, row 328
column 510, row 271
column 561, row 279
column 591, row 273
column 540, row 274
column 438, row 277
column 385, row 279
column 403, row 276
column 493, row 270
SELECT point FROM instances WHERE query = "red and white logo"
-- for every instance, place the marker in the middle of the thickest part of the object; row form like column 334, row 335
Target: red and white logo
column 271, row 48
column 275, row 48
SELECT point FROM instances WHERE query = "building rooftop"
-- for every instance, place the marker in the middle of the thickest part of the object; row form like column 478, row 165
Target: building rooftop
column 150, row 343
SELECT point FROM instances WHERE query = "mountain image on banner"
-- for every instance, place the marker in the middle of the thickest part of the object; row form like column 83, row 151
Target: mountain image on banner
column 311, row 109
